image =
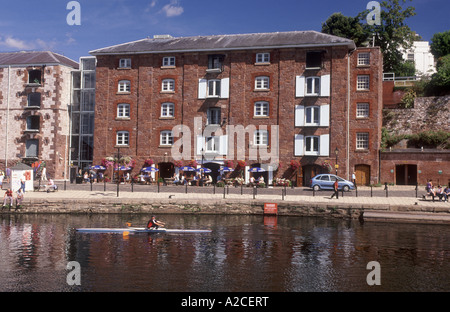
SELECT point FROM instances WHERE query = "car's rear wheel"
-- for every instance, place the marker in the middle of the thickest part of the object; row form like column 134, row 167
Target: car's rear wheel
column 316, row 188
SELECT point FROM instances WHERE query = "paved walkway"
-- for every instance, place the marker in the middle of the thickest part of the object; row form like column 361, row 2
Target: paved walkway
column 377, row 207
column 178, row 194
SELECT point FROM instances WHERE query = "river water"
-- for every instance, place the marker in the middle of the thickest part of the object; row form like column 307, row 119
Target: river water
column 242, row 254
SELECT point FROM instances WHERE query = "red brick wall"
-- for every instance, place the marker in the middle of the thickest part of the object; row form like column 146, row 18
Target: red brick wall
column 429, row 164
column 146, row 97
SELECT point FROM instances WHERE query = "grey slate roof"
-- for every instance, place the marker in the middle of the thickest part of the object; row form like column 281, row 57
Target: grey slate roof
column 35, row 58
column 227, row 42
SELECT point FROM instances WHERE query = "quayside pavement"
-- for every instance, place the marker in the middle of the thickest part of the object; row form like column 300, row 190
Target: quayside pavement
column 399, row 203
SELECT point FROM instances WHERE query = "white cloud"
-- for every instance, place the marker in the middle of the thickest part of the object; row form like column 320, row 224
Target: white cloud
column 13, row 43
column 150, row 6
column 173, row 9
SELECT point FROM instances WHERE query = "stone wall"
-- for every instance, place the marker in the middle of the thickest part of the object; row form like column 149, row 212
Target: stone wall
column 428, row 114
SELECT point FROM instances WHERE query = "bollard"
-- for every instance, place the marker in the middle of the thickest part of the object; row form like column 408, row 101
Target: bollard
column 158, row 186
column 186, row 187
column 254, row 192
column 91, row 184
column 386, row 188
column 242, row 188
column 356, row 191
column 417, row 188
column 228, row 191
column 214, row 189
column 371, row 193
column 65, row 185
column 104, row 185
column 224, row 191
column 132, row 185
column 314, row 192
column 282, row 194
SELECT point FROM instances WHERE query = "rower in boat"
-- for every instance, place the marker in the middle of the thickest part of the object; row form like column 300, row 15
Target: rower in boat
column 154, row 224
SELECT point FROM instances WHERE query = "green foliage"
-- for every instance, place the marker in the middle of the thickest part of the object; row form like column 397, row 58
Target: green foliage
column 391, row 36
column 440, row 44
column 409, row 98
column 440, row 81
column 393, row 33
column 426, row 139
column 346, row 27
column 404, row 69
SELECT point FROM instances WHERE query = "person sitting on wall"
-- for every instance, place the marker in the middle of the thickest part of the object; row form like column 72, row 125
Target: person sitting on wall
column 446, row 193
column 19, row 198
column 51, row 186
column 430, row 191
column 440, row 192
column 8, row 196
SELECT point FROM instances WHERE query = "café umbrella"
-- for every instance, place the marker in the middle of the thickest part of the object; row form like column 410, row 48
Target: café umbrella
column 256, row 169
column 226, row 169
column 150, row 169
column 123, row 168
column 97, row 167
column 187, row 168
column 204, row 170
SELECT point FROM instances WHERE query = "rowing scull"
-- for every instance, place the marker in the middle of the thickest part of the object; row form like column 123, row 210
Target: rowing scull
column 139, row 230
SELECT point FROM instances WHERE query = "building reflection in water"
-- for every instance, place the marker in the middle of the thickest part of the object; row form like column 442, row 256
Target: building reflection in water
column 244, row 253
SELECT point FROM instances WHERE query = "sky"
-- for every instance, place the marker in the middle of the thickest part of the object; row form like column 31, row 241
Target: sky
column 30, row 25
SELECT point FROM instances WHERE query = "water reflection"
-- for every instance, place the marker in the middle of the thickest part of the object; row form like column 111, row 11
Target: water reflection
column 244, row 253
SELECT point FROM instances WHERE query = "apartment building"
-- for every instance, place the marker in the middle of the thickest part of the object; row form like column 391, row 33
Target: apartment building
column 309, row 101
column 34, row 116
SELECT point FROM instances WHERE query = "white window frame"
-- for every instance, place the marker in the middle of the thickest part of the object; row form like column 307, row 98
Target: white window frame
column 168, row 85
column 363, row 82
column 168, row 61
column 261, row 109
column 312, row 113
column 261, row 138
column 314, row 83
column 262, row 58
column 362, row 110
column 214, row 88
column 166, row 138
column 167, row 110
column 363, row 59
column 212, row 144
column 262, row 83
column 122, row 138
column 311, row 151
column 123, row 110
column 362, row 140
column 124, row 86
column 125, row 63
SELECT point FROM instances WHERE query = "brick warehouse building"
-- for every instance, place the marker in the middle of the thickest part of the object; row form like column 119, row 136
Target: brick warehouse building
column 322, row 93
column 34, row 101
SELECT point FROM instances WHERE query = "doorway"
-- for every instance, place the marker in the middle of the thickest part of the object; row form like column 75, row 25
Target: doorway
column 310, row 171
column 406, row 174
column 166, row 170
column 362, row 174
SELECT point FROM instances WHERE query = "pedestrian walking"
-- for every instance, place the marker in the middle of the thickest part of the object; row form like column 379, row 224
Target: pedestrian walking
column 336, row 187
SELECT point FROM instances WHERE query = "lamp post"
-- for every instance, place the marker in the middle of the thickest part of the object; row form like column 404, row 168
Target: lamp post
column 202, row 168
column 118, row 176
column 336, row 152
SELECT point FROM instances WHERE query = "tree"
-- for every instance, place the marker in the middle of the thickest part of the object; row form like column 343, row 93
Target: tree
column 440, row 44
column 440, row 81
column 346, row 27
column 393, row 35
